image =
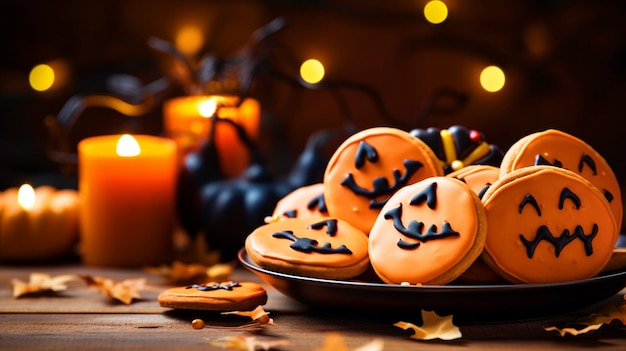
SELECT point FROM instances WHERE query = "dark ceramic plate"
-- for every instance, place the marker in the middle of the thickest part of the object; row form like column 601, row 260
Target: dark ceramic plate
column 481, row 303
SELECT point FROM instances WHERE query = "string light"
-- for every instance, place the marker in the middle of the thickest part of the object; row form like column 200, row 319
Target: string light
column 189, row 40
column 435, row 11
column 41, row 77
column 492, row 79
column 312, row 71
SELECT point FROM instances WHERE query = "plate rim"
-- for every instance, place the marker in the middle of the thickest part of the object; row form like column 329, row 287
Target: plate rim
column 245, row 260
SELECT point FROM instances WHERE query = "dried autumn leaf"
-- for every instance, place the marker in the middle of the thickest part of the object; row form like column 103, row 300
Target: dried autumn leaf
column 247, row 343
column 594, row 321
column 124, row 291
column 433, row 327
column 258, row 314
column 41, row 282
column 181, row 273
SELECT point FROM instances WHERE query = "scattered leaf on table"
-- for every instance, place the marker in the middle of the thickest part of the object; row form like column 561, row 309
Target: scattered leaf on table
column 182, row 273
column 594, row 321
column 258, row 314
column 124, row 291
column 335, row 342
column 42, row 282
column 433, row 327
column 248, row 343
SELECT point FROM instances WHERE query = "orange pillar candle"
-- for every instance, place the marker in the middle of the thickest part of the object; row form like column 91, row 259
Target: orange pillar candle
column 186, row 120
column 37, row 224
column 127, row 194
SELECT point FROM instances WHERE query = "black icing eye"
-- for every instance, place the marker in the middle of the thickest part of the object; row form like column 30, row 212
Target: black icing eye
column 429, row 194
column 587, row 160
column 568, row 194
column 529, row 200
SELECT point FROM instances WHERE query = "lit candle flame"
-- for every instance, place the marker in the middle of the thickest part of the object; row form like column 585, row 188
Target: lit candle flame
column 26, row 196
column 207, row 108
column 127, row 146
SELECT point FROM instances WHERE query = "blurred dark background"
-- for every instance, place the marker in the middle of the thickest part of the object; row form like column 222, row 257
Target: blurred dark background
column 565, row 64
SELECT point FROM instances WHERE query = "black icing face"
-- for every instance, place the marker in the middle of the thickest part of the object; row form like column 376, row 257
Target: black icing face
column 416, row 229
column 380, row 189
column 308, row 245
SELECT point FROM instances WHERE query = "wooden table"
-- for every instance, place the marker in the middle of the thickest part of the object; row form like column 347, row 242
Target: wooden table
column 82, row 319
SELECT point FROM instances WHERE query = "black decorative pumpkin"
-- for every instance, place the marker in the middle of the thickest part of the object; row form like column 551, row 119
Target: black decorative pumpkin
column 227, row 210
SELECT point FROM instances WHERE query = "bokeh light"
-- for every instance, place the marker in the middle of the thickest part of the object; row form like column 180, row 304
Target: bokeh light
column 312, row 71
column 492, row 79
column 435, row 11
column 41, row 77
column 189, row 40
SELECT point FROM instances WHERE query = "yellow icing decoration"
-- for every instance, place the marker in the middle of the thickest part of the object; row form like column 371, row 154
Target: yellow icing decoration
column 448, row 145
column 480, row 151
column 456, row 165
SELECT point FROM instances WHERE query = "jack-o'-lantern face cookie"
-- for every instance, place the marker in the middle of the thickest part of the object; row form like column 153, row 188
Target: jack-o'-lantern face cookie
column 214, row 296
column 477, row 177
column 303, row 202
column 556, row 148
column 547, row 224
column 428, row 233
column 315, row 247
column 371, row 165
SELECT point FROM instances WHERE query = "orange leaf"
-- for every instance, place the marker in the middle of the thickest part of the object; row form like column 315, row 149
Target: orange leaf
column 433, row 327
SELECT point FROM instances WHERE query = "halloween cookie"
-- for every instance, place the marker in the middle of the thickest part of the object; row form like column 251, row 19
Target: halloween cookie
column 458, row 147
column 368, row 167
column 224, row 296
column 547, row 224
column 477, row 177
column 303, row 202
column 556, row 148
column 428, row 233
column 314, row 247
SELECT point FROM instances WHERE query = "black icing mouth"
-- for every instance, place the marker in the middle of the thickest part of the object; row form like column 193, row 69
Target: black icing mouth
column 559, row 243
column 308, row 245
column 381, row 186
column 415, row 229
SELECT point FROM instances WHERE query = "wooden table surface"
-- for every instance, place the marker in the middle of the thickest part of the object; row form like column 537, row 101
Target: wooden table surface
column 82, row 319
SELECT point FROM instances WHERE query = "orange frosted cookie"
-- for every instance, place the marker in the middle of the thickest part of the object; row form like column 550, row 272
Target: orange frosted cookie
column 477, row 177
column 371, row 165
column 547, row 224
column 314, row 247
column 556, row 148
column 428, row 233
column 303, row 202
column 224, row 296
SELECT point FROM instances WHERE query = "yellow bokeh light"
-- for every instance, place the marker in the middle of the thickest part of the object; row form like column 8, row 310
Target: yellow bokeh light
column 207, row 108
column 26, row 197
column 189, row 40
column 435, row 11
column 41, row 77
column 312, row 71
column 492, row 79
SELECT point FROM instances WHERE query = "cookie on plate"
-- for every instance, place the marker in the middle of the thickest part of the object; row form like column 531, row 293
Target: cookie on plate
column 547, row 224
column 557, row 148
column 371, row 165
column 213, row 296
column 312, row 247
column 428, row 233
column 303, row 202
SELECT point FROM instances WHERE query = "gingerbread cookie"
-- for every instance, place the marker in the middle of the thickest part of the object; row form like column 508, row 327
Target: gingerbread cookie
column 458, row 147
column 225, row 296
column 314, row 247
column 428, row 233
column 477, row 177
column 557, row 148
column 547, row 224
column 303, row 202
column 368, row 167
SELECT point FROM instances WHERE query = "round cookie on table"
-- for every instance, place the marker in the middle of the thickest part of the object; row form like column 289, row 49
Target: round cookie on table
column 214, row 296
column 547, row 224
column 457, row 147
column 557, row 148
column 303, row 202
column 428, row 233
column 371, row 165
column 322, row 247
